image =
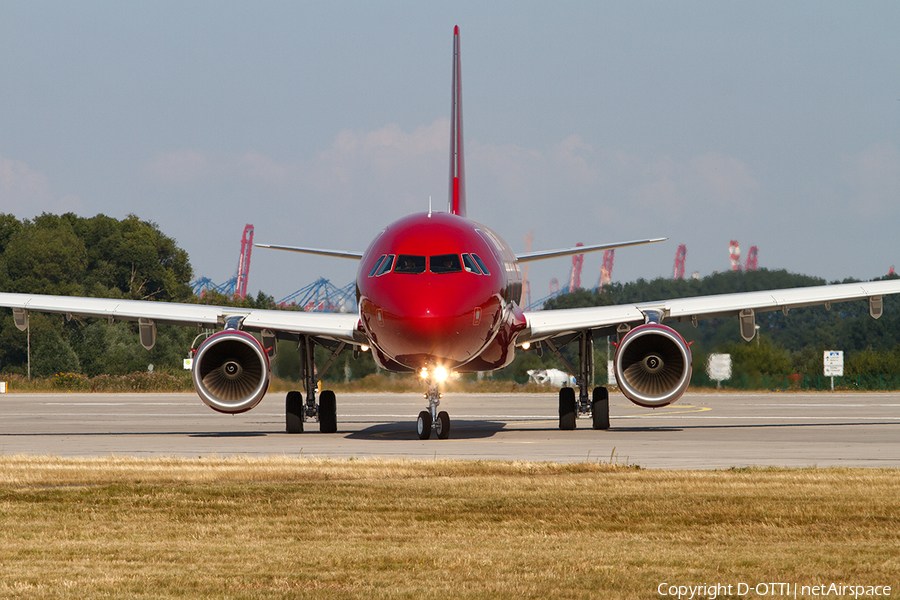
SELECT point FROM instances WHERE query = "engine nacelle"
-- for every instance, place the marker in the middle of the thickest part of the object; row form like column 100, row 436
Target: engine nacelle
column 231, row 371
column 653, row 365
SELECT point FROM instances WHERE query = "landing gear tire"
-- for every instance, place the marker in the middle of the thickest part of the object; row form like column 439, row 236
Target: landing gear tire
column 327, row 412
column 567, row 409
column 293, row 410
column 423, row 425
column 600, row 408
column 442, row 425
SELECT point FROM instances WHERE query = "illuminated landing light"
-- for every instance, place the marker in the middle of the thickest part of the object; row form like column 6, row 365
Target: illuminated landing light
column 364, row 348
column 439, row 374
column 526, row 345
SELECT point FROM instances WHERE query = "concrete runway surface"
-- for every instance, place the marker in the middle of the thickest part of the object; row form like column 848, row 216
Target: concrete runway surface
column 700, row 431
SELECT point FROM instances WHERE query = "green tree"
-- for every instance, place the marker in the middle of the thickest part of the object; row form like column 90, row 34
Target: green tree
column 45, row 260
column 133, row 259
column 762, row 358
column 52, row 354
column 287, row 361
column 870, row 362
column 99, row 257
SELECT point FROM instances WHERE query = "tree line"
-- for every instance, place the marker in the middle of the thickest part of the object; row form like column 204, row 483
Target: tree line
column 131, row 258
column 785, row 346
column 101, row 257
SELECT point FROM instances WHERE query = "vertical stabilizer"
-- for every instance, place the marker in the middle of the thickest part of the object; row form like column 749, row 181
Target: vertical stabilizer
column 457, row 162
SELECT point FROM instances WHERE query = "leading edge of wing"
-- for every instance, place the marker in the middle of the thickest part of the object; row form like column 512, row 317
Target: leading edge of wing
column 548, row 323
column 337, row 326
column 343, row 327
column 543, row 254
column 321, row 252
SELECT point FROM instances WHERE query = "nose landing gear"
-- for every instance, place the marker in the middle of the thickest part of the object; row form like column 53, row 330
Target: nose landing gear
column 431, row 419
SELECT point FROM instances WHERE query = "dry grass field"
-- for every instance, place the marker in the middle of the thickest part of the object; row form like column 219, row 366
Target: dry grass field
column 286, row 527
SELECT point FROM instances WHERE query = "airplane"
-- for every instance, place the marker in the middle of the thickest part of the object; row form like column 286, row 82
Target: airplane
column 438, row 293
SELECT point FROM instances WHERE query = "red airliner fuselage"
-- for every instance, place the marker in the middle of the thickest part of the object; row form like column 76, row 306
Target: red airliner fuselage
column 438, row 290
column 438, row 293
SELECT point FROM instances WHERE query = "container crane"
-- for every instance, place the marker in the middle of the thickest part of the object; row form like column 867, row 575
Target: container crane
column 322, row 296
column 752, row 259
column 734, row 250
column 243, row 272
column 575, row 274
column 237, row 285
column 680, row 254
column 526, row 283
column 606, row 270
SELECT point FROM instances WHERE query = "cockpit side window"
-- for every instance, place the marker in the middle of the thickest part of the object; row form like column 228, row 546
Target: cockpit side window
column 470, row 265
column 409, row 263
column 377, row 264
column 480, row 262
column 444, row 263
column 386, row 265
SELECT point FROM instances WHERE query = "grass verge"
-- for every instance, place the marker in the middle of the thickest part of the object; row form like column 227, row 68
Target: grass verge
column 285, row 527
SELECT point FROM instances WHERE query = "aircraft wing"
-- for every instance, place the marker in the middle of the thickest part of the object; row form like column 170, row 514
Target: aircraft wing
column 550, row 323
column 337, row 326
column 543, row 254
column 335, row 253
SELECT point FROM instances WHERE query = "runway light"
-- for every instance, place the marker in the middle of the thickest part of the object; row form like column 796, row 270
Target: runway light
column 526, row 345
column 440, row 374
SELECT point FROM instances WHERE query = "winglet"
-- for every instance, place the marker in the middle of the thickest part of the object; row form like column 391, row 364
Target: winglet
column 457, row 163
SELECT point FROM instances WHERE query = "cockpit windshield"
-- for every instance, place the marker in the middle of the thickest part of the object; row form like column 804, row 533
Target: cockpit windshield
column 481, row 264
column 385, row 265
column 470, row 265
column 377, row 265
column 409, row 263
column 444, row 263
column 439, row 264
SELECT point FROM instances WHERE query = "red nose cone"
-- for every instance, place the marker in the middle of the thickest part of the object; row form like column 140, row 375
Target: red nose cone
column 438, row 322
column 422, row 308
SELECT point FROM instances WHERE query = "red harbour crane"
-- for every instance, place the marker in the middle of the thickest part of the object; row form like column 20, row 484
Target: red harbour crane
column 606, row 269
column 526, row 283
column 236, row 286
column 752, row 259
column 243, row 272
column 680, row 254
column 575, row 275
column 734, row 250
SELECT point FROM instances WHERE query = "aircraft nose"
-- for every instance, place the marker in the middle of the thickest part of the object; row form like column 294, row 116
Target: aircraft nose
column 448, row 327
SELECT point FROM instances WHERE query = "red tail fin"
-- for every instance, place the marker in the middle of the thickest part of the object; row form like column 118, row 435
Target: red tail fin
column 457, row 162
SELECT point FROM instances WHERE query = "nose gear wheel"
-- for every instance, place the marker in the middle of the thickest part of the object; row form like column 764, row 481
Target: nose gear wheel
column 431, row 418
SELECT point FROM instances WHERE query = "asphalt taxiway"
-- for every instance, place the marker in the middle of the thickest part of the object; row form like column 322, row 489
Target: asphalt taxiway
column 701, row 431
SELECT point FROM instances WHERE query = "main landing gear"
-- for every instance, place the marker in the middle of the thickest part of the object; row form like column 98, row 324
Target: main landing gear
column 593, row 403
column 569, row 408
column 431, row 419
column 325, row 410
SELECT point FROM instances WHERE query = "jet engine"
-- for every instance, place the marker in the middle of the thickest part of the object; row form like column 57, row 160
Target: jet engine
column 231, row 371
column 653, row 365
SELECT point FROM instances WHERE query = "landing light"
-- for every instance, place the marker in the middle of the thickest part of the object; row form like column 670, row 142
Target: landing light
column 526, row 345
column 363, row 348
column 439, row 374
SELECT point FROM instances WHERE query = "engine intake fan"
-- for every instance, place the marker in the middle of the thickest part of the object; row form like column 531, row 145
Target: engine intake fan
column 653, row 365
column 231, row 371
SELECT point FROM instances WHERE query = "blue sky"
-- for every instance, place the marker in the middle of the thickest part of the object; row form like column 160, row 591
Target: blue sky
column 776, row 124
